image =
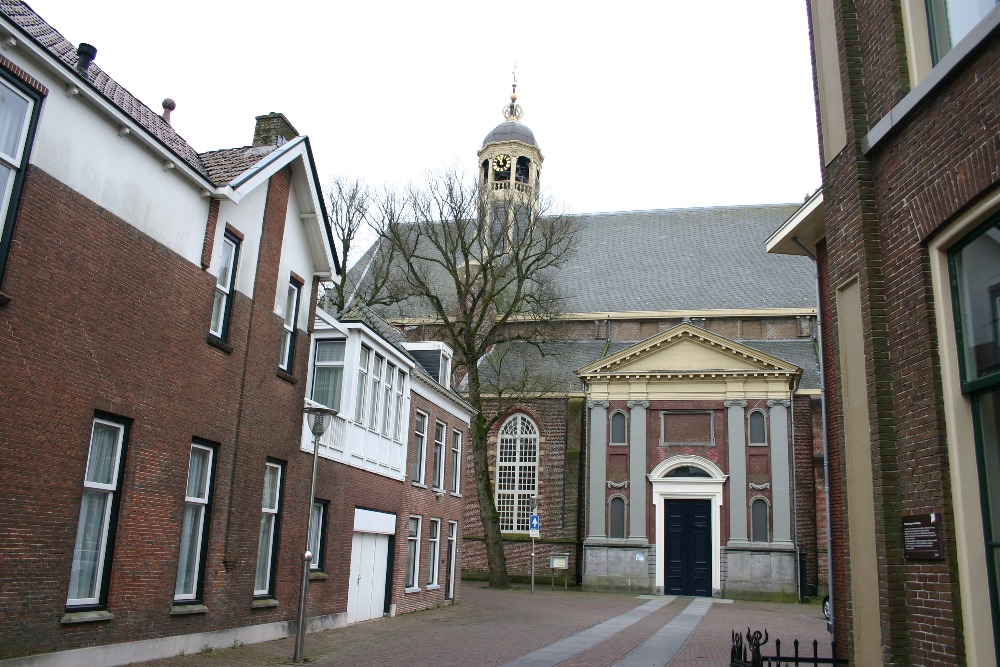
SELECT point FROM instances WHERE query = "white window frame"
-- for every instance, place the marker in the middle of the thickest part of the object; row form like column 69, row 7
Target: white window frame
column 452, row 554
column 413, row 554
column 328, row 364
column 397, row 434
column 750, row 417
column 456, row 462
column 200, row 504
column 440, row 434
column 611, row 429
column 388, row 377
column 512, row 501
column 317, row 533
column 111, row 490
column 225, row 285
column 419, row 446
column 375, row 391
column 364, row 359
column 767, row 521
column 292, row 298
column 433, row 553
column 267, row 546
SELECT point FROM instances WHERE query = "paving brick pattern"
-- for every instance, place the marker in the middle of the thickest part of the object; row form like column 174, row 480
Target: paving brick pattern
column 496, row 627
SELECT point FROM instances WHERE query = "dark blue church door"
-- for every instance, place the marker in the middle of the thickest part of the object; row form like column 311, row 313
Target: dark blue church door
column 689, row 547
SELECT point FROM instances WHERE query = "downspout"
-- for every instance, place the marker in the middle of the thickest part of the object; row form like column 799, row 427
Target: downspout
column 818, row 340
column 795, row 496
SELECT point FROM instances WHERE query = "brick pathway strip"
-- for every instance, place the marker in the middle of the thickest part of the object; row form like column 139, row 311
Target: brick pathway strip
column 660, row 649
column 553, row 654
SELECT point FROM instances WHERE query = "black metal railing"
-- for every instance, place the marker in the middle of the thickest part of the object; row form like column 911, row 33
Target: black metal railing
column 749, row 653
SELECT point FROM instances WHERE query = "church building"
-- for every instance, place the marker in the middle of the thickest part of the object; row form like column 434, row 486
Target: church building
column 672, row 443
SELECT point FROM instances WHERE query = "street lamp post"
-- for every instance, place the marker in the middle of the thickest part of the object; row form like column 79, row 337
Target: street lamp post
column 319, row 418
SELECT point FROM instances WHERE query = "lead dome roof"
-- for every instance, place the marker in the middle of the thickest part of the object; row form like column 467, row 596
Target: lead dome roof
column 510, row 130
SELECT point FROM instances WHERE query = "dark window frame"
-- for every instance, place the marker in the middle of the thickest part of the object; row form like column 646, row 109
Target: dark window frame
column 20, row 173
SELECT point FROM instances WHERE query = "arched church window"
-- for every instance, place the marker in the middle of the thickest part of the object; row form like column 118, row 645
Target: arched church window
column 616, row 518
column 523, row 169
column 758, row 430
column 758, row 520
column 618, row 422
column 517, row 472
column 486, row 171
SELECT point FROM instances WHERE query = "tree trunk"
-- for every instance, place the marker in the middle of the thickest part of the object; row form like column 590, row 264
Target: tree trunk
column 496, row 560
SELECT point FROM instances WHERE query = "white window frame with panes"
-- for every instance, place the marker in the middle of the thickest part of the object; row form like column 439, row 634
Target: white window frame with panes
column 456, row 463
column 372, row 427
column 440, row 435
column 197, row 496
column 413, row 554
column 433, row 553
column 102, row 484
column 518, row 441
column 267, row 537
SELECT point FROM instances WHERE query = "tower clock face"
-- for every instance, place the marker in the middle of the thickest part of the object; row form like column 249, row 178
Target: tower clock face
column 501, row 162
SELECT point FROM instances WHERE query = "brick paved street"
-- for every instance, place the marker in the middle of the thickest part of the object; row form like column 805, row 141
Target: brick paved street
column 498, row 627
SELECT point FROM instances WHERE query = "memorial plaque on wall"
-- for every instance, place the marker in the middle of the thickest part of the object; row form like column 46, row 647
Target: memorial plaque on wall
column 922, row 536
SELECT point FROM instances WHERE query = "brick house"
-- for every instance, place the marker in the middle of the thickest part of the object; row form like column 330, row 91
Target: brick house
column 387, row 487
column 905, row 235
column 683, row 359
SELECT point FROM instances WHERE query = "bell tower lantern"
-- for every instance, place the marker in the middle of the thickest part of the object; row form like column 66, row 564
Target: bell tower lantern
column 510, row 162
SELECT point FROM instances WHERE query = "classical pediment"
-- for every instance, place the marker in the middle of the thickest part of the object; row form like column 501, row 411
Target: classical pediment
column 687, row 350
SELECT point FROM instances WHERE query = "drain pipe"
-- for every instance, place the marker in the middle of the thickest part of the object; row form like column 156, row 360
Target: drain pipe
column 795, row 494
column 818, row 339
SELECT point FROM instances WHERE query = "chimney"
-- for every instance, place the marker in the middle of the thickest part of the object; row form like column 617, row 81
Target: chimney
column 85, row 56
column 168, row 106
column 273, row 129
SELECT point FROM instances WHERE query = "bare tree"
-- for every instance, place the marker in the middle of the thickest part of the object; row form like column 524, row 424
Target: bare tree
column 477, row 264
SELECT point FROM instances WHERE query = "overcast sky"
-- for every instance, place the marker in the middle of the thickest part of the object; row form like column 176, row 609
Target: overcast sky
column 635, row 105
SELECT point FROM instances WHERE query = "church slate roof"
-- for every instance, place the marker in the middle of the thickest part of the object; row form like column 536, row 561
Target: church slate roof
column 685, row 259
column 208, row 165
column 697, row 259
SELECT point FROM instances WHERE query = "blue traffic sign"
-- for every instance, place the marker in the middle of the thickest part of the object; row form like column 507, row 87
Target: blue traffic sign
column 534, row 522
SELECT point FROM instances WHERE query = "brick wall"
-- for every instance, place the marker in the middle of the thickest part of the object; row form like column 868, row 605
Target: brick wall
column 881, row 209
column 558, row 492
column 102, row 318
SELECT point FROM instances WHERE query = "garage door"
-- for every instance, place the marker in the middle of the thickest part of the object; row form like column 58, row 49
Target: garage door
column 369, row 571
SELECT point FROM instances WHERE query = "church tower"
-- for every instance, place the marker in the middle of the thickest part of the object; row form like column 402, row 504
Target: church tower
column 510, row 165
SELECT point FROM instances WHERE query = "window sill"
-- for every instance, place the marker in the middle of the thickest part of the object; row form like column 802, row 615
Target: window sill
column 438, row 489
column 756, row 444
column 186, row 609
column 412, row 590
column 455, row 494
column 218, row 343
column 287, row 377
column 419, row 484
column 86, row 616
column 317, row 575
column 687, row 444
column 264, row 603
column 433, row 587
column 941, row 72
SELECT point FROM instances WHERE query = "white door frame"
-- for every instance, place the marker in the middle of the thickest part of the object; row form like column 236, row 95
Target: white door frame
column 688, row 488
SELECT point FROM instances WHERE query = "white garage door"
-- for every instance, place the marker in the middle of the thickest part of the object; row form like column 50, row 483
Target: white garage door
column 369, row 563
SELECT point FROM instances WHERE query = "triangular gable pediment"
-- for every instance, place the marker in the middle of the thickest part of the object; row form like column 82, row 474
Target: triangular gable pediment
column 684, row 350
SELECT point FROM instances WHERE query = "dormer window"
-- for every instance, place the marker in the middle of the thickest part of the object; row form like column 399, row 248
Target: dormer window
column 434, row 358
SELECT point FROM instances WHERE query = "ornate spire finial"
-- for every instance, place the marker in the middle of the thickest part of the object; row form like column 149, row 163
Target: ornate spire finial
column 513, row 110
